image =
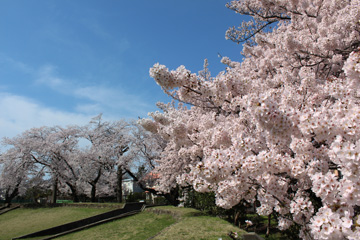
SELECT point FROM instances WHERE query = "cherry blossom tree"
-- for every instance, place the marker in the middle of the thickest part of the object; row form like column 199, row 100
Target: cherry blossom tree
column 53, row 148
column 142, row 159
column 144, row 149
column 78, row 159
column 16, row 171
column 281, row 126
column 81, row 160
column 108, row 142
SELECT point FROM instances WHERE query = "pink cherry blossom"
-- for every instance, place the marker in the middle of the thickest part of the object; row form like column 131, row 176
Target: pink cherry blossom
column 279, row 125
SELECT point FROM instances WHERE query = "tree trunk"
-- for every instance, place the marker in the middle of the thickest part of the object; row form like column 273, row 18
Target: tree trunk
column 10, row 196
column 173, row 196
column 119, row 195
column 237, row 218
column 93, row 192
column 93, row 186
column 54, row 191
column 268, row 226
column 73, row 192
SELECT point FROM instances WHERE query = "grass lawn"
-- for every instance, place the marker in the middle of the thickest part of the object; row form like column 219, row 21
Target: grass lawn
column 139, row 226
column 160, row 223
column 25, row 220
column 99, row 205
column 192, row 224
column 154, row 223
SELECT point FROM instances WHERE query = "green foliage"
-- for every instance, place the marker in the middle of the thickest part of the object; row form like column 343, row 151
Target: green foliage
column 160, row 201
column 64, row 201
column 202, row 201
column 35, row 193
column 206, row 202
column 136, row 197
column 292, row 232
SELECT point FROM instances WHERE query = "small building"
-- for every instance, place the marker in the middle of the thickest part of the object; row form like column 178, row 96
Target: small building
column 129, row 186
column 150, row 180
column 2, row 196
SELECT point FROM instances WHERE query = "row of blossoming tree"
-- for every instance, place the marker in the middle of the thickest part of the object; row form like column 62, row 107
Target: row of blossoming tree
column 77, row 160
column 281, row 127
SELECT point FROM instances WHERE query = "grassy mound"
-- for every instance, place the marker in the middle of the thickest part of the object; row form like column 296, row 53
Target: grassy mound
column 193, row 224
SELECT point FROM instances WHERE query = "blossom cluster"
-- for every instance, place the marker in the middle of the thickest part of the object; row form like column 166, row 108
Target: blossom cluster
column 282, row 126
column 329, row 224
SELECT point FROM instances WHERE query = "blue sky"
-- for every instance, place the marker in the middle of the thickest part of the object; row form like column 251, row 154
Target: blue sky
column 65, row 61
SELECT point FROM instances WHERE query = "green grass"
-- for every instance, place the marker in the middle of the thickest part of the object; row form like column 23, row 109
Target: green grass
column 160, row 223
column 96, row 205
column 154, row 223
column 139, row 226
column 192, row 224
column 24, row 220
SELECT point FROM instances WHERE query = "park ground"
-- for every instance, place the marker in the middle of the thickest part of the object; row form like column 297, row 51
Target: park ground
column 157, row 223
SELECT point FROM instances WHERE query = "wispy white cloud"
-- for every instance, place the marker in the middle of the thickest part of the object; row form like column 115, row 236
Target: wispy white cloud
column 47, row 76
column 19, row 113
column 94, row 99
column 89, row 108
column 115, row 101
column 9, row 62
